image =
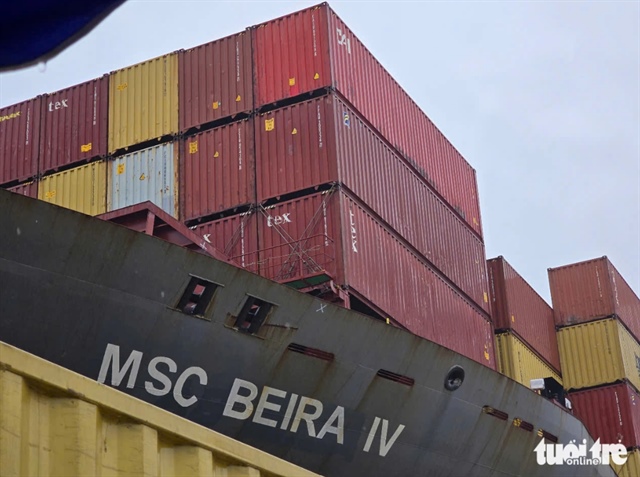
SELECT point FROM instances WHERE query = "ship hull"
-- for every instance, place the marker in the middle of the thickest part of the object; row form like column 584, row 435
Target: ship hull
column 102, row 300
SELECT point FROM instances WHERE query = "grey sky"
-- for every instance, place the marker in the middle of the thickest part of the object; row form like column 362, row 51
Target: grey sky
column 542, row 98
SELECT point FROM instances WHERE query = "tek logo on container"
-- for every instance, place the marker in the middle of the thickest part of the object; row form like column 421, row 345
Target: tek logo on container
column 571, row 454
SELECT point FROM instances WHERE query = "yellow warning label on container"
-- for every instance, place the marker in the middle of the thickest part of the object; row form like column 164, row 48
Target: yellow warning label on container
column 50, row 194
column 215, row 154
column 316, row 76
column 513, row 319
column 122, row 87
column 269, row 124
column 216, row 105
column 142, row 176
column 486, row 297
column 120, row 169
column 193, row 147
column 292, row 81
column 475, row 221
column 86, row 147
column 486, row 353
column 295, row 131
column 238, row 99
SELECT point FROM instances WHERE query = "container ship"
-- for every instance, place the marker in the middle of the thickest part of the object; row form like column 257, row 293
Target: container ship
column 269, row 238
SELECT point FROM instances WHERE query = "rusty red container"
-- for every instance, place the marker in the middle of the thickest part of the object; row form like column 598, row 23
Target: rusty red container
column 330, row 234
column 590, row 290
column 20, row 140
column 324, row 140
column 215, row 81
column 313, row 49
column 75, row 122
column 515, row 306
column 30, row 189
column 236, row 236
column 218, row 170
column 610, row 413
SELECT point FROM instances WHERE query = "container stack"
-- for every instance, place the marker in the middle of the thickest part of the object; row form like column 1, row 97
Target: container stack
column 526, row 343
column 291, row 149
column 598, row 319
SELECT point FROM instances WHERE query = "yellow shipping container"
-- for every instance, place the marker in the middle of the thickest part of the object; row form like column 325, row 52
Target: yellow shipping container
column 56, row 422
column 631, row 468
column 519, row 362
column 596, row 353
column 143, row 102
column 83, row 188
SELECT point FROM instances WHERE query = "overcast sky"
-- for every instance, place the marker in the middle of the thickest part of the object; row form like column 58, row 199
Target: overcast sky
column 542, row 98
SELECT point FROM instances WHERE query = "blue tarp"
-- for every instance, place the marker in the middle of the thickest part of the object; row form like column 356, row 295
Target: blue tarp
column 35, row 30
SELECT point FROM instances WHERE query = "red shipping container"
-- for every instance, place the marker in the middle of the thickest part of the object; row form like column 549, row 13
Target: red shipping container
column 216, row 80
column 30, row 189
column 236, row 236
column 19, row 140
column 75, row 124
column 590, row 290
column 610, row 413
column 218, row 171
column 517, row 307
column 329, row 233
column 313, row 49
column 324, row 140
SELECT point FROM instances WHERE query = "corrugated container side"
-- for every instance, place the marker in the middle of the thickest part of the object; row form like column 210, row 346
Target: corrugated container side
column 295, row 148
column 236, row 236
column 301, row 238
column 30, row 189
column 143, row 102
column 83, row 188
column 519, row 362
column 55, row 422
column 324, row 140
column 291, row 55
column 409, row 290
column 216, row 80
column 610, row 413
column 632, row 467
column 75, row 124
column 516, row 306
column 19, row 140
column 596, row 353
column 313, row 48
column 218, row 170
column 590, row 290
column 148, row 174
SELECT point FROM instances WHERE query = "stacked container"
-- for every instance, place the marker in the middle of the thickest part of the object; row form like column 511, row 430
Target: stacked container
column 525, row 333
column 598, row 319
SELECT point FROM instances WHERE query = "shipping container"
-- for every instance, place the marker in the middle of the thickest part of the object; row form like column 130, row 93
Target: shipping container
column 54, row 422
column 632, row 467
column 83, row 188
column 516, row 306
column 331, row 234
column 216, row 81
column 324, row 140
column 236, row 236
column 143, row 102
column 610, row 413
column 521, row 363
column 218, row 170
column 313, row 49
column 75, row 125
column 149, row 174
column 30, row 189
column 593, row 289
column 596, row 353
column 19, row 140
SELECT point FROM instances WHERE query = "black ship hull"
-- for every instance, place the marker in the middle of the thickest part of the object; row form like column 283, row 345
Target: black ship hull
column 321, row 386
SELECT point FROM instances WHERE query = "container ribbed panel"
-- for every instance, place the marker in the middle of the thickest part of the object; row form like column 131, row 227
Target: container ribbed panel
column 519, row 362
column 143, row 102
